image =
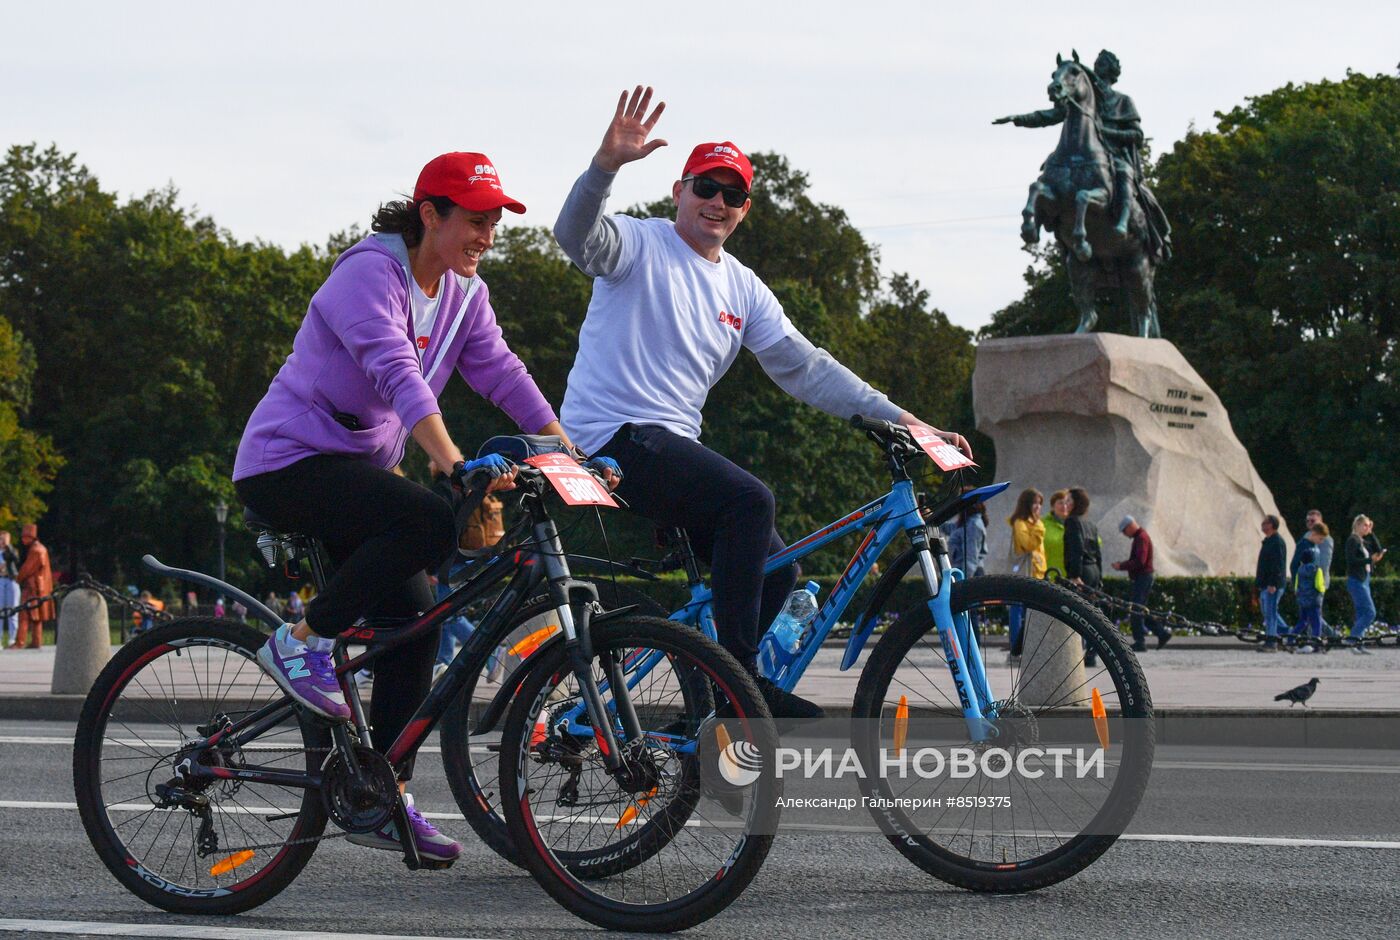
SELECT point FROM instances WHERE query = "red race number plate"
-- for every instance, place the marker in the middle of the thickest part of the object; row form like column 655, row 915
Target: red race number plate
column 940, row 451
column 575, row 485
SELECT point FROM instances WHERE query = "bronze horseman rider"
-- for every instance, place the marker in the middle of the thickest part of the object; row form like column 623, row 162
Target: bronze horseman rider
column 1121, row 130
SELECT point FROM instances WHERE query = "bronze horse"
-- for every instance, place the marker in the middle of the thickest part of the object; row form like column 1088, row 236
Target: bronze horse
column 1073, row 198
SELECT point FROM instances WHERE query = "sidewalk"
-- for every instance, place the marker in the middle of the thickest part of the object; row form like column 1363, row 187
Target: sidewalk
column 1217, row 695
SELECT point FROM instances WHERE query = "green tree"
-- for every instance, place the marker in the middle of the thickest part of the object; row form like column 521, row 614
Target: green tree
column 1284, row 291
column 155, row 335
column 28, row 461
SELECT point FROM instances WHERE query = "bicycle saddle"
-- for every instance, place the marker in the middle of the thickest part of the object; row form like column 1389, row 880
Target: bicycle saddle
column 257, row 523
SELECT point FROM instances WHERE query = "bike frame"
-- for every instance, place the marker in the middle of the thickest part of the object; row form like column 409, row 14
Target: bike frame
column 574, row 605
column 886, row 518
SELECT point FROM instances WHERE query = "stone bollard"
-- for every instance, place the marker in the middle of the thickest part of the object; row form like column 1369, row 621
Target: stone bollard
column 84, row 642
column 1052, row 667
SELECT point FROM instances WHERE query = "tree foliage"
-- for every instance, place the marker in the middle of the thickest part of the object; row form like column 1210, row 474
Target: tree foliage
column 1284, row 291
column 155, row 333
column 28, row 460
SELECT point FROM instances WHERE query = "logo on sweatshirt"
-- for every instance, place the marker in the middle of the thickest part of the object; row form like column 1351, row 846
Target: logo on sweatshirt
column 729, row 319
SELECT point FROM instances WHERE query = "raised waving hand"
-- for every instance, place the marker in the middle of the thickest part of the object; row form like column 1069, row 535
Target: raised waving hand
column 626, row 137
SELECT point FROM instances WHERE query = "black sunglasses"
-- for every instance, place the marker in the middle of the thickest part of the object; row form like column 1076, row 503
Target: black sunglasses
column 705, row 188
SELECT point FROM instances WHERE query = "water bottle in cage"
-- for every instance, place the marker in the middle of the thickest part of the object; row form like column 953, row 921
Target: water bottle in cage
column 789, row 634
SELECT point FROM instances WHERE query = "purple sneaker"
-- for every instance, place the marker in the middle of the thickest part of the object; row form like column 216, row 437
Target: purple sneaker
column 432, row 845
column 305, row 674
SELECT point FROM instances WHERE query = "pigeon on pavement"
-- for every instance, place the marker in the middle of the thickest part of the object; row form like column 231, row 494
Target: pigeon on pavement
column 1299, row 695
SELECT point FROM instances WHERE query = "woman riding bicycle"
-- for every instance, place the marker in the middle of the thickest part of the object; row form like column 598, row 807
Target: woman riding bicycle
column 401, row 310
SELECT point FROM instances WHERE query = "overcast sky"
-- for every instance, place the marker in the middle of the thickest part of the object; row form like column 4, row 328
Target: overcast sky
column 288, row 121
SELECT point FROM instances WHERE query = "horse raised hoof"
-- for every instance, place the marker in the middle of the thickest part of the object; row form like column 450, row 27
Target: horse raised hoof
column 1082, row 249
column 1030, row 232
column 1087, row 322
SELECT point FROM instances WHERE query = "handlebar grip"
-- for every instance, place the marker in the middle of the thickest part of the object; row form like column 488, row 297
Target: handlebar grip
column 873, row 424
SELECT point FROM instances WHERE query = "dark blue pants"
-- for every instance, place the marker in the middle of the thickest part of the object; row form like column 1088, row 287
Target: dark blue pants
column 1141, row 588
column 728, row 513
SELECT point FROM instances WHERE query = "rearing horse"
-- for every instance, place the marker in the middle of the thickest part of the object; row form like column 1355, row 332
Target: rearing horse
column 1078, row 176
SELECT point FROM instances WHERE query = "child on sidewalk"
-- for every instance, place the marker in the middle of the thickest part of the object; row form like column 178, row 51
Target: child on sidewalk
column 1309, row 586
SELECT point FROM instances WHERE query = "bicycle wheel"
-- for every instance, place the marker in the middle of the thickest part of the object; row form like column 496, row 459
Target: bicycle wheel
column 700, row 790
column 470, row 757
column 224, row 846
column 1016, row 813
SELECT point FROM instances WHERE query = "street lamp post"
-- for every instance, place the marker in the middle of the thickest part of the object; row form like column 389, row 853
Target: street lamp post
column 221, row 514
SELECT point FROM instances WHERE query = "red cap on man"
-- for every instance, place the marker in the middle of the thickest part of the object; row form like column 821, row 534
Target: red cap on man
column 468, row 179
column 714, row 156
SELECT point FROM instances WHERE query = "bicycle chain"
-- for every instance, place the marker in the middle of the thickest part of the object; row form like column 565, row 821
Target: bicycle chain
column 304, row 840
column 1208, row 628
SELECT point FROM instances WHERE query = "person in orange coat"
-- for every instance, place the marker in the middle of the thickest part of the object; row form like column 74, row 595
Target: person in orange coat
column 35, row 580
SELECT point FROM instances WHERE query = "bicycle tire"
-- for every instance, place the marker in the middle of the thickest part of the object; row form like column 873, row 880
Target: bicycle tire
column 549, row 840
column 228, row 648
column 1127, row 722
column 474, row 777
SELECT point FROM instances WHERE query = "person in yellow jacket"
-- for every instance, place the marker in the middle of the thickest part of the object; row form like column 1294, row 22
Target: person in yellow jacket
column 1055, row 533
column 1027, row 553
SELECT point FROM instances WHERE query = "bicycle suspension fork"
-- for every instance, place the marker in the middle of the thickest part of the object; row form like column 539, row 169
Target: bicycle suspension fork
column 578, row 644
column 961, row 650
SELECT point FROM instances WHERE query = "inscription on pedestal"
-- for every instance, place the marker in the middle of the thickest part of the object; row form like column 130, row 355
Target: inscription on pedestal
column 1174, row 407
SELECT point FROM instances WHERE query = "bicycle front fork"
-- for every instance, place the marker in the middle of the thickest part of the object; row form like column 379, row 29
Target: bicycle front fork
column 961, row 650
column 578, row 643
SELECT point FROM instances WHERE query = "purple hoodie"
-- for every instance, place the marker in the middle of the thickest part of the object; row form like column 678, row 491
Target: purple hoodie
column 354, row 353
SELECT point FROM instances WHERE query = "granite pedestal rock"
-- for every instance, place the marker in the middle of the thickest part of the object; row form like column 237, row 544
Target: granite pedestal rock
column 1132, row 422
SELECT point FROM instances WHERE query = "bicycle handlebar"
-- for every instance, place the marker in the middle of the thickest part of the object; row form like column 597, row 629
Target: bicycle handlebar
column 877, row 426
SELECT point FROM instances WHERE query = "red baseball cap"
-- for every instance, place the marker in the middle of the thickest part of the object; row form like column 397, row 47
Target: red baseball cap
column 468, row 179
column 713, row 156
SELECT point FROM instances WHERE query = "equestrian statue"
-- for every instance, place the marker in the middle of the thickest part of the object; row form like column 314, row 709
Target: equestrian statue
column 1091, row 195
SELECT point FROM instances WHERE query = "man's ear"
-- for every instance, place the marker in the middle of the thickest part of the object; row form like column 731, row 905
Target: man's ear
column 676, row 191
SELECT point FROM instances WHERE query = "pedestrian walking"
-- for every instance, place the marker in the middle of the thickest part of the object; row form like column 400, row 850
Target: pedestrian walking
column 1362, row 553
column 1083, row 553
column 966, row 534
column 1309, row 585
column 1055, row 534
column 1138, row 567
column 1270, row 577
column 35, row 578
column 1027, row 556
column 1321, row 539
column 9, row 587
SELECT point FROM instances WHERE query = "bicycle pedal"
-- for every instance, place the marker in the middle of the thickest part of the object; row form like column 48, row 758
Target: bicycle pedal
column 425, row 864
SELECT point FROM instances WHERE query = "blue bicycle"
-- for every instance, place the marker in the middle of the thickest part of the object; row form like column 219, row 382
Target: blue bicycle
column 998, row 776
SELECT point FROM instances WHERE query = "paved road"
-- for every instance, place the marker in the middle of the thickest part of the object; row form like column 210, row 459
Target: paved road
column 1306, row 843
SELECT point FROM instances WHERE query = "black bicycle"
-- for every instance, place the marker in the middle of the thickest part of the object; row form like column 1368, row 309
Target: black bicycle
column 205, row 789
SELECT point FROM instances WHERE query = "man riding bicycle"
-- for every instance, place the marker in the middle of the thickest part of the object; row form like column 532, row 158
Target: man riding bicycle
column 668, row 314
